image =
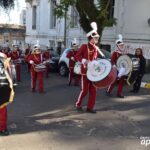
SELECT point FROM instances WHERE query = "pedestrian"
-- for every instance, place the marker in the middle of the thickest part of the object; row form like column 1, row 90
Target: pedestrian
column 71, row 56
column 6, row 92
column 141, row 70
column 87, row 53
column 120, row 77
column 36, row 59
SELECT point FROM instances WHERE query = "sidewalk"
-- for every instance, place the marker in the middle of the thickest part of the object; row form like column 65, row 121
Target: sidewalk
column 146, row 78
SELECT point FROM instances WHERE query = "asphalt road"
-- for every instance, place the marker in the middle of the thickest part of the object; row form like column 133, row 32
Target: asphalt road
column 50, row 122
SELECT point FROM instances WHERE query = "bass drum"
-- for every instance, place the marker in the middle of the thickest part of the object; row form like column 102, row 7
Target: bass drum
column 6, row 84
column 101, row 73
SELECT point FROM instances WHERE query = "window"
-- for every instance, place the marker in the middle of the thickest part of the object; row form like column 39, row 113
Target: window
column 74, row 18
column 111, row 9
column 34, row 15
column 52, row 15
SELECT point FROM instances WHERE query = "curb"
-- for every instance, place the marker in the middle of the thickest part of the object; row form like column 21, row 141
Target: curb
column 145, row 85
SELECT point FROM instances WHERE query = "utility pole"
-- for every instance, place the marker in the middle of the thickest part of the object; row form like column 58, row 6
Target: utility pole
column 65, row 27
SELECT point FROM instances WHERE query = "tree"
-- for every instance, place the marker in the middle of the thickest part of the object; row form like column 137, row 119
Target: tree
column 88, row 12
column 7, row 3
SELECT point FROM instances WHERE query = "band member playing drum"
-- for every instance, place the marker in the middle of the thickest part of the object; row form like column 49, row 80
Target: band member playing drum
column 87, row 52
column 15, row 57
column 72, row 61
column 35, row 59
column 115, row 55
column 47, row 56
column 141, row 70
column 6, row 92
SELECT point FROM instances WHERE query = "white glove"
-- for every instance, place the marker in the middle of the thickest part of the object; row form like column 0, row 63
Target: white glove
column 84, row 61
column 72, row 58
column 31, row 62
column 121, row 72
column 114, row 66
column 44, row 62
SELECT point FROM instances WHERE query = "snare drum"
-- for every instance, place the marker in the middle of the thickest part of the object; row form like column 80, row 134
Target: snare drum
column 77, row 68
column 40, row 68
column 101, row 73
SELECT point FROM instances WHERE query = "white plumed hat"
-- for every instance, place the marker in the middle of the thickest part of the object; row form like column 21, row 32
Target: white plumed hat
column 74, row 42
column 119, row 41
column 37, row 45
column 93, row 32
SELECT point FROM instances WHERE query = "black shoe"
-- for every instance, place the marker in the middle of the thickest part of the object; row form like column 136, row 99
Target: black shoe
column 79, row 108
column 120, row 96
column 90, row 110
column 108, row 94
column 4, row 133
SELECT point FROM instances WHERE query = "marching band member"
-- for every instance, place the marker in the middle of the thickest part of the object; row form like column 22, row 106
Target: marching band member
column 120, row 78
column 34, row 59
column 87, row 52
column 6, row 93
column 27, row 54
column 141, row 70
column 72, row 61
column 47, row 56
column 15, row 56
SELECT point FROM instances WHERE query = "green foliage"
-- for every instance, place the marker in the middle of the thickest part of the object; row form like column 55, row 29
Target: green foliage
column 88, row 12
column 63, row 7
column 7, row 3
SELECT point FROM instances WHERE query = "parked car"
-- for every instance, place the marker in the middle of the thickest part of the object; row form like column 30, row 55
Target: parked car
column 64, row 61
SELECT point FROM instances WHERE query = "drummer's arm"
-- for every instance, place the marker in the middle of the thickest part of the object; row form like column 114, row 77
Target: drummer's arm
column 79, row 54
column 69, row 55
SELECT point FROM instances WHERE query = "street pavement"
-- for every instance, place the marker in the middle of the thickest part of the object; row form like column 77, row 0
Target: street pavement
column 50, row 122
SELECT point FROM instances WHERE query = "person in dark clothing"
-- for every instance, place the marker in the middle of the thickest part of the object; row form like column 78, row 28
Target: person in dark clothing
column 141, row 71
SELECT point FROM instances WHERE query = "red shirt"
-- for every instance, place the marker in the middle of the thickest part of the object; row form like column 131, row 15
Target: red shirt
column 71, row 54
column 88, row 52
column 46, row 55
column 37, row 58
column 14, row 55
column 115, row 55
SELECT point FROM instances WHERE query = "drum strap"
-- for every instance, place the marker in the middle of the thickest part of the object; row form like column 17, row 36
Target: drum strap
column 6, row 65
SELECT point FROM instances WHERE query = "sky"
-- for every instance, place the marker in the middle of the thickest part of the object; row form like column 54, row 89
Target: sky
column 12, row 16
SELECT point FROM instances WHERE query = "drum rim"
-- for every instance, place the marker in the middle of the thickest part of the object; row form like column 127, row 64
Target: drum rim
column 129, row 68
column 89, row 74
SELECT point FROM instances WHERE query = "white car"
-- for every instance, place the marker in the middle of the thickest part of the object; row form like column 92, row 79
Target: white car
column 64, row 61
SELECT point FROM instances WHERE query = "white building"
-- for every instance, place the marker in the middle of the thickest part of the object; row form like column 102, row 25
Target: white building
column 23, row 17
column 132, row 22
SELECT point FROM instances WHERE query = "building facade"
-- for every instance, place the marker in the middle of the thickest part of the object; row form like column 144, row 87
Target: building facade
column 12, row 34
column 133, row 22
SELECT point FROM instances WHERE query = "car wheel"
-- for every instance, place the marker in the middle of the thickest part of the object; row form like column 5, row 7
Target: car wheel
column 63, row 70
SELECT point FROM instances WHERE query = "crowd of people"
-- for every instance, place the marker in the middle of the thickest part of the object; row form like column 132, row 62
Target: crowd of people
column 38, row 65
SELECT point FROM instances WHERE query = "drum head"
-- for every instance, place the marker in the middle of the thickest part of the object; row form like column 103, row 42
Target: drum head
column 98, row 70
column 125, row 62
